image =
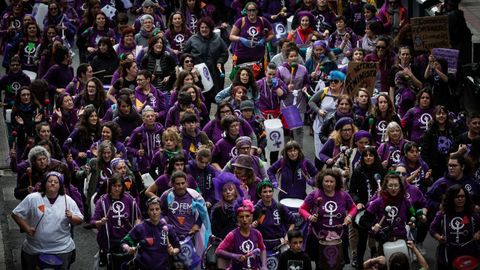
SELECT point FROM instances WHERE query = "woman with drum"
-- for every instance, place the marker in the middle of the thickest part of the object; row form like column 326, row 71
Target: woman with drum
column 364, row 184
column 47, row 217
column 152, row 241
column 388, row 214
column 292, row 172
column 116, row 212
column 272, row 219
column 456, row 227
column 328, row 209
column 244, row 246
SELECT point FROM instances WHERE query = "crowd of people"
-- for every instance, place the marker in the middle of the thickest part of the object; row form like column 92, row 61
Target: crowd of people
column 171, row 168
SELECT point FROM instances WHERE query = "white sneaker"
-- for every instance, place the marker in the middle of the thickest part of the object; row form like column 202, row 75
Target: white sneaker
column 422, row 250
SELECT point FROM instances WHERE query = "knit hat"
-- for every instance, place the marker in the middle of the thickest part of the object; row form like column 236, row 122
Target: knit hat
column 342, row 122
column 242, row 141
column 361, row 134
column 247, row 105
column 336, row 75
column 243, row 161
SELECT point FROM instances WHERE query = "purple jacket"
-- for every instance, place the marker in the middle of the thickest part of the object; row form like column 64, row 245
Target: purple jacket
column 93, row 35
column 173, row 115
column 415, row 196
column 155, row 99
column 458, row 229
column 121, row 215
column 147, row 139
column 203, row 179
column 404, row 100
column 275, row 224
column 214, row 130
column 154, row 255
column 300, row 80
column 419, row 181
column 268, row 95
column 223, row 151
column 293, row 179
column 435, row 194
column 192, row 143
column 415, row 121
column 69, row 120
column 59, row 76
column 396, row 219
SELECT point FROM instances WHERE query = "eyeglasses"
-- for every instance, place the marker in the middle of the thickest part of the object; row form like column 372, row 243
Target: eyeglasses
column 188, row 61
column 381, row 47
column 334, row 81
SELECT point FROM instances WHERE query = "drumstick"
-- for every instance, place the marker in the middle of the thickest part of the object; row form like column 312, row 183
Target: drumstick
column 279, row 189
column 99, row 71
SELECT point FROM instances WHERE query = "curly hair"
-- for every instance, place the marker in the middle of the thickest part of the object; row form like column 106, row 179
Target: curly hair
column 114, row 128
column 335, row 173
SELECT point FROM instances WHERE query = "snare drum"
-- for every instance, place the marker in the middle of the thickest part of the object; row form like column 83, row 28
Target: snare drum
column 331, row 254
column 273, row 259
column 293, row 205
column 49, row 261
column 465, row 263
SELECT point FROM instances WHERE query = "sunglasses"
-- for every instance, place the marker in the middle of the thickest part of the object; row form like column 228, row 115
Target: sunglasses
column 334, row 81
column 187, row 61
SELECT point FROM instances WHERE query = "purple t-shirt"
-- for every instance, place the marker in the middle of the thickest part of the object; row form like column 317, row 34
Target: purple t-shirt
column 252, row 31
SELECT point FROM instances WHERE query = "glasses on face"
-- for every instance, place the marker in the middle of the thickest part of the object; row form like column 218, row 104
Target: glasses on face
column 347, row 130
column 379, row 47
column 188, row 61
column 402, row 174
column 334, row 81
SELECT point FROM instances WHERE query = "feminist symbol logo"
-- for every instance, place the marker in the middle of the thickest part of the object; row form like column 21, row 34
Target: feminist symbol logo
column 117, row 208
column 164, row 237
column 30, row 52
column 275, row 137
column 16, row 24
column 382, row 127
column 468, row 187
column 272, row 262
column 280, row 30
column 320, row 20
column 457, row 224
column 252, row 31
column 276, row 217
column 206, row 73
column 174, row 207
column 425, row 119
column 395, row 156
column 247, row 247
column 179, row 39
column 392, row 214
column 193, row 21
column 16, row 86
column 331, row 253
column 330, row 208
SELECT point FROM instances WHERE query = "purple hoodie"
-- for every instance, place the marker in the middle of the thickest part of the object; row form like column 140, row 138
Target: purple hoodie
column 148, row 139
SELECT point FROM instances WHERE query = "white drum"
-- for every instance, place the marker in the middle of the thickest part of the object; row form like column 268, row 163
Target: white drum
column 390, row 248
column 292, row 203
column 275, row 136
column 206, row 77
column 8, row 116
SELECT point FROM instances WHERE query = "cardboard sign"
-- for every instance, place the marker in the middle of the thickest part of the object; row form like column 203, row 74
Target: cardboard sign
column 430, row 32
column 360, row 75
column 451, row 55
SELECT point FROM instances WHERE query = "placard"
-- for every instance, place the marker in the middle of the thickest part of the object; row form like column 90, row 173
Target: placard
column 430, row 32
column 451, row 55
column 360, row 75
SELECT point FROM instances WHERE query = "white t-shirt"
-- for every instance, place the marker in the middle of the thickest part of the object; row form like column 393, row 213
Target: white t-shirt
column 53, row 230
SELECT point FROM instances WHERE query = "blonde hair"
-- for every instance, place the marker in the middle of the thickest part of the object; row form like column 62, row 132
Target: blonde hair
column 337, row 137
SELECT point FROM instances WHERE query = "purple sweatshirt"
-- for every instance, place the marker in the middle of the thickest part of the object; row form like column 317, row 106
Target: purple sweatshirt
column 268, row 94
column 397, row 218
column 121, row 215
column 252, row 31
column 415, row 121
column 154, row 99
column 294, row 179
column 148, row 139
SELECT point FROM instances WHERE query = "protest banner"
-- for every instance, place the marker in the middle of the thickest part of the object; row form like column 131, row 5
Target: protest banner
column 430, row 32
column 360, row 75
column 450, row 55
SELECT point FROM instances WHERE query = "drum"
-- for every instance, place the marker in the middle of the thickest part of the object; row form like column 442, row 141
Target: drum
column 393, row 247
column 49, row 262
column 205, row 76
column 273, row 259
column 188, row 256
column 275, row 137
column 293, row 205
column 331, row 254
column 465, row 263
